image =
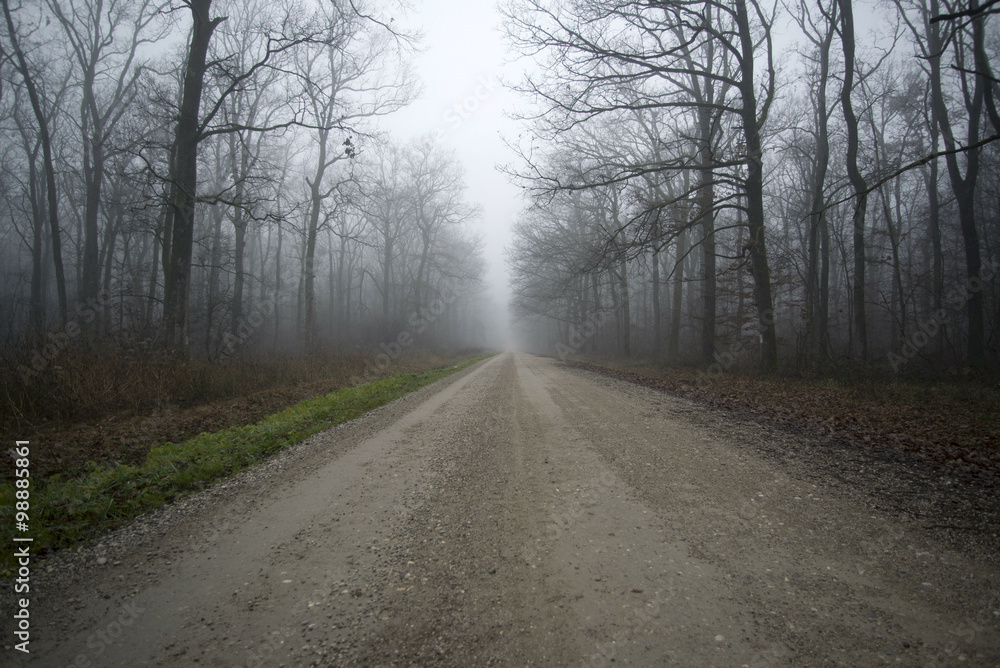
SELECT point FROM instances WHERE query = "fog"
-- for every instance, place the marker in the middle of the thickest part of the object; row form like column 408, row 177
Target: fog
column 465, row 106
column 806, row 185
column 328, row 184
column 597, row 178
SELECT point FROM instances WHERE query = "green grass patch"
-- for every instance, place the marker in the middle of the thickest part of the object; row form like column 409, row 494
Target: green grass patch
column 65, row 512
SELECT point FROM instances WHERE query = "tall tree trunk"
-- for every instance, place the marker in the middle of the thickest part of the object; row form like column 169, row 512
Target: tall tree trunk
column 37, row 233
column 214, row 272
column 823, row 315
column 898, row 307
column 239, row 272
column 934, row 233
column 857, row 180
column 754, row 191
column 241, row 167
column 332, row 287
column 346, row 322
column 816, row 314
column 312, row 229
column 37, row 307
column 184, row 182
column 964, row 187
column 657, row 316
column 276, row 314
column 706, row 211
column 897, row 300
column 595, row 296
column 108, row 256
column 386, row 280
column 425, row 250
column 300, row 303
column 626, row 312
column 343, row 292
column 616, row 306
column 93, row 171
column 680, row 250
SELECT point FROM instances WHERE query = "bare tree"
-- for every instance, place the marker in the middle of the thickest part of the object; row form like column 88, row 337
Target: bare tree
column 104, row 40
column 183, row 179
column 966, row 42
column 346, row 82
column 28, row 78
column 657, row 60
column 280, row 33
column 820, row 31
column 437, row 190
column 858, row 182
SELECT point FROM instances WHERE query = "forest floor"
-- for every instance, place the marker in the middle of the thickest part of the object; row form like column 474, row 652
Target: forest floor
column 954, row 422
column 126, row 436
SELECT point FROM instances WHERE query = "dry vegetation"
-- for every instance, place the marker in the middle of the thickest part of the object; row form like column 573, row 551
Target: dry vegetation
column 105, row 408
column 951, row 421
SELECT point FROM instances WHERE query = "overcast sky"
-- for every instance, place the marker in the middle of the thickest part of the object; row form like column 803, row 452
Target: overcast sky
column 463, row 106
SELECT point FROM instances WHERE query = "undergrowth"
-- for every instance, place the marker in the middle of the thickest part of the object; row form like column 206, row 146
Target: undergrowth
column 89, row 383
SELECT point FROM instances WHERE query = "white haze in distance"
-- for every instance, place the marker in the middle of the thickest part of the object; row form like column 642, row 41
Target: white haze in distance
column 463, row 108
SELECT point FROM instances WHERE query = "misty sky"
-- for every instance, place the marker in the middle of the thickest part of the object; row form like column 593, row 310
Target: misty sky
column 463, row 105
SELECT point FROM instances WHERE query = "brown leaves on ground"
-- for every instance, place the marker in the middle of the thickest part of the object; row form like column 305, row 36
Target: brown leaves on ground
column 953, row 422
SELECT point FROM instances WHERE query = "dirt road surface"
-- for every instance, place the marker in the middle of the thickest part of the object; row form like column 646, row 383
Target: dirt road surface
column 525, row 513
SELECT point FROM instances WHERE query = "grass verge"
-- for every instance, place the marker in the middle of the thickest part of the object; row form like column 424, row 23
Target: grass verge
column 65, row 512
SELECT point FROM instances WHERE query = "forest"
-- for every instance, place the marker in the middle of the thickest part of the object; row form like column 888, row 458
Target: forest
column 191, row 188
column 192, row 182
column 798, row 185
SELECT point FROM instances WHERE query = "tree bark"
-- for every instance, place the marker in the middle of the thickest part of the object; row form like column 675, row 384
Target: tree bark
column 857, row 180
column 754, row 192
column 184, row 182
column 240, row 166
column 657, row 316
column 312, row 230
column 706, row 211
column 674, row 343
column 37, row 307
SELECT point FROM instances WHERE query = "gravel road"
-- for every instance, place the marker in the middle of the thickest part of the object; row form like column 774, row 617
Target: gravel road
column 523, row 512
